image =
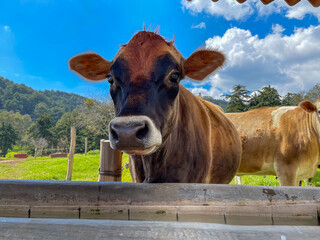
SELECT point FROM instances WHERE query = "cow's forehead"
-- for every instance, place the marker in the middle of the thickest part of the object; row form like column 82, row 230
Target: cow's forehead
column 143, row 50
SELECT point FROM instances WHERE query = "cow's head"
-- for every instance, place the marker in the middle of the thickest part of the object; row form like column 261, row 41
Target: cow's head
column 144, row 82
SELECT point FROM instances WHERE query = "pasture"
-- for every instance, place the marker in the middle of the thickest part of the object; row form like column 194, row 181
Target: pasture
column 86, row 169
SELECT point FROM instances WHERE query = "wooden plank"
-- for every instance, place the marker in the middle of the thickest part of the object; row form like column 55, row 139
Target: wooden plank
column 18, row 211
column 118, row 212
column 54, row 212
column 253, row 215
column 48, row 193
column 315, row 3
column 210, row 214
column 153, row 213
column 295, row 214
column 85, row 146
column 110, row 163
column 104, row 193
column 231, row 204
column 13, row 228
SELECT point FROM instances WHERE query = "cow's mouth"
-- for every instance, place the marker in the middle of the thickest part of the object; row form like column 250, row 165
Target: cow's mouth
column 147, row 151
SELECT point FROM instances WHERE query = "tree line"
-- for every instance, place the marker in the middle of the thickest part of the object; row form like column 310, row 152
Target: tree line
column 40, row 121
column 44, row 132
column 44, row 136
column 240, row 100
column 25, row 100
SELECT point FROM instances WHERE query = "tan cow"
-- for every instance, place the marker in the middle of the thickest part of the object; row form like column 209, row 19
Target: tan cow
column 281, row 141
column 170, row 134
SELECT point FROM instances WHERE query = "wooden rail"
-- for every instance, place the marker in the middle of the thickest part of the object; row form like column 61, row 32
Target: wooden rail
column 12, row 228
column 230, row 204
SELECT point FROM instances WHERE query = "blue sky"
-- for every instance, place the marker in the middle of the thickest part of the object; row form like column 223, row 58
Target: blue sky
column 264, row 45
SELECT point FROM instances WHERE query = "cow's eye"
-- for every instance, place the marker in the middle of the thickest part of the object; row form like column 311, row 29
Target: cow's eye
column 175, row 77
column 110, row 79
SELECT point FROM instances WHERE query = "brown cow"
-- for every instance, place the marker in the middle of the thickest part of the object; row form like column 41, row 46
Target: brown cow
column 281, row 141
column 170, row 135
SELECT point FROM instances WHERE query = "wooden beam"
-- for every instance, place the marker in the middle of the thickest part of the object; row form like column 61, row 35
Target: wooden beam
column 292, row 2
column 315, row 3
column 85, row 146
column 265, row 2
column 71, row 152
column 15, row 228
column 230, row 204
column 110, row 169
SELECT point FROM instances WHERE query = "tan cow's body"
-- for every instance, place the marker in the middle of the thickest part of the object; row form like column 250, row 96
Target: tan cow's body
column 281, row 141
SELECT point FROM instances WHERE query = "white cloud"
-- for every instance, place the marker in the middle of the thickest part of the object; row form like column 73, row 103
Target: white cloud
column 277, row 28
column 289, row 63
column 301, row 9
column 232, row 10
column 201, row 25
column 6, row 28
column 229, row 9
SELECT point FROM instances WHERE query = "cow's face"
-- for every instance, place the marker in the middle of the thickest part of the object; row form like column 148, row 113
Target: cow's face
column 144, row 82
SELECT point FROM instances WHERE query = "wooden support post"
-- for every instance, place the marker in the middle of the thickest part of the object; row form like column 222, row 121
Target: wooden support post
column 71, row 153
column 85, row 146
column 110, row 163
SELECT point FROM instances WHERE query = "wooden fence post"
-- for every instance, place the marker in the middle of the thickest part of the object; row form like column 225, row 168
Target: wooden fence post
column 110, row 163
column 85, row 146
column 71, row 153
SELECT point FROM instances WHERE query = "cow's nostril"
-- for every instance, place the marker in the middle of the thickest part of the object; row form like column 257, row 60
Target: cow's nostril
column 114, row 135
column 141, row 134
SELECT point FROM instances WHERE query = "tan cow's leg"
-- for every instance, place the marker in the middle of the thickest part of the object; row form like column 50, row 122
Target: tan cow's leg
column 287, row 175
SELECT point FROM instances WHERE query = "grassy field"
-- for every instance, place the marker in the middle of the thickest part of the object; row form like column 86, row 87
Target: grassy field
column 85, row 168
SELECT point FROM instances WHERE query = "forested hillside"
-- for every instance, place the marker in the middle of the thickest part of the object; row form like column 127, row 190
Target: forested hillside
column 25, row 100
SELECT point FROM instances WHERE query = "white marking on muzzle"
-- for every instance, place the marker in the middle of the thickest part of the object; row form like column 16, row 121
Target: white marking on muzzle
column 127, row 130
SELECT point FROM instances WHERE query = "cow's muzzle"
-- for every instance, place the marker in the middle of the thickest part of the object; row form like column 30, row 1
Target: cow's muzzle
column 134, row 135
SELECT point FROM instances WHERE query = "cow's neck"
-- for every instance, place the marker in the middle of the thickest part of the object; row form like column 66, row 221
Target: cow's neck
column 179, row 159
column 316, row 125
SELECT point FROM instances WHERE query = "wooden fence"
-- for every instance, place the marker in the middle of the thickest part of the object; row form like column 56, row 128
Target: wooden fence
column 41, row 209
column 226, row 204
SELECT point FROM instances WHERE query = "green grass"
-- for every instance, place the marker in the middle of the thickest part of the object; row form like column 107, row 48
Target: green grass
column 85, row 168
column 272, row 181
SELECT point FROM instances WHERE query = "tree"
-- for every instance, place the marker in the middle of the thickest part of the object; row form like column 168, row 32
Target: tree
column 267, row 96
column 40, row 109
column 39, row 144
column 8, row 137
column 19, row 122
column 290, row 99
column 96, row 117
column 237, row 99
column 42, row 128
column 89, row 103
column 221, row 103
column 314, row 93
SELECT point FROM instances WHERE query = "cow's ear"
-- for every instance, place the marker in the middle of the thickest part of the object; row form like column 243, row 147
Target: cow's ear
column 203, row 62
column 308, row 106
column 91, row 66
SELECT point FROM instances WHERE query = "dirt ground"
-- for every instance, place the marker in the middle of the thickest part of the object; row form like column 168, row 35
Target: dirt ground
column 13, row 161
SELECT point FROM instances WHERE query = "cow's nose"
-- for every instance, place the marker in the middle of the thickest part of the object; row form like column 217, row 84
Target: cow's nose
column 133, row 133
